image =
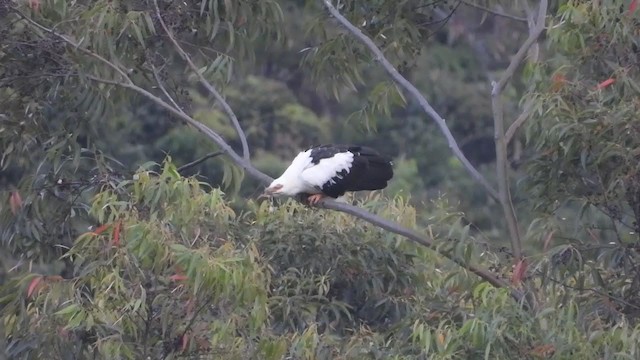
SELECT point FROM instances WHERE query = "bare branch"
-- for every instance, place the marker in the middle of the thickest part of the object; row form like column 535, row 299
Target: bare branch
column 493, row 12
column 199, row 161
column 163, row 89
column 593, row 290
column 207, row 85
column 415, row 93
column 501, row 145
column 417, row 238
column 522, row 52
column 64, row 38
column 237, row 159
column 246, row 165
column 517, row 123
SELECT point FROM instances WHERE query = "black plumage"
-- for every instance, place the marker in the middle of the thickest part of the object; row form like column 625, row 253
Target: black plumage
column 369, row 170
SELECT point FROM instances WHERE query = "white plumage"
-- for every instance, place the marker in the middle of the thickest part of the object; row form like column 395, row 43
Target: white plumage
column 327, row 170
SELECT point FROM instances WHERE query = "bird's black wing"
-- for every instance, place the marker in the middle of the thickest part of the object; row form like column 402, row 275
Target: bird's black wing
column 368, row 171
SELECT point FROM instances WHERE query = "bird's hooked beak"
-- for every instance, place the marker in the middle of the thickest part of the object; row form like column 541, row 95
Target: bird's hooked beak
column 270, row 191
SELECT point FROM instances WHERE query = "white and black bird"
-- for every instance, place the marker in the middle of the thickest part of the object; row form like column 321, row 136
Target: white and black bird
column 331, row 171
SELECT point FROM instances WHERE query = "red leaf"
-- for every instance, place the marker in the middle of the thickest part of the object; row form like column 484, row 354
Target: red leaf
column 116, row 233
column 557, row 81
column 15, row 202
column 543, row 350
column 633, row 6
column 101, row 229
column 185, row 342
column 606, row 83
column 33, row 285
column 178, row 277
column 519, row 271
column 34, row 4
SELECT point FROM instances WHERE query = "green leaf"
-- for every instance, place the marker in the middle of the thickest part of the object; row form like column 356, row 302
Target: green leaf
column 68, row 310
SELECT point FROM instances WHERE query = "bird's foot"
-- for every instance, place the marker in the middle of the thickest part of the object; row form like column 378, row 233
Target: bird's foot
column 315, row 198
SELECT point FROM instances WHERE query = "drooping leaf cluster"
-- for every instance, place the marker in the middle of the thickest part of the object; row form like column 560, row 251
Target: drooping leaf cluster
column 584, row 171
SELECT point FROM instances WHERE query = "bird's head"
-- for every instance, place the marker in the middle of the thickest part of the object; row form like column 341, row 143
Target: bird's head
column 275, row 189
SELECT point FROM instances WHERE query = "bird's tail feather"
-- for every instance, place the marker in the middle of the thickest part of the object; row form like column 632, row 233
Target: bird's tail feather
column 379, row 172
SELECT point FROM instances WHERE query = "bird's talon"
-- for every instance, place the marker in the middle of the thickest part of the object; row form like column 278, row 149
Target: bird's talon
column 314, row 199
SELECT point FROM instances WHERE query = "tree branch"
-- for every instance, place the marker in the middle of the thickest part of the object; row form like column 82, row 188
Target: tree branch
column 493, row 12
column 518, row 122
column 212, row 90
column 163, row 89
column 522, row 52
column 199, row 161
column 416, row 238
column 70, row 41
column 237, row 159
column 414, row 92
column 246, row 165
column 501, row 146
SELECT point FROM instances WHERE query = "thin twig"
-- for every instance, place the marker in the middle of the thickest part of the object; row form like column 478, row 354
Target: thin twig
column 500, row 143
column 227, row 109
column 199, row 161
column 266, row 179
column 593, row 290
column 519, row 121
column 417, row 238
column 76, row 46
column 194, row 317
column 522, row 52
column 493, row 12
column 415, row 93
column 163, row 89
column 7, row 80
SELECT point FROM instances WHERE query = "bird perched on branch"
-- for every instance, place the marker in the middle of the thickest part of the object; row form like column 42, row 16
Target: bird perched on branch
column 331, row 171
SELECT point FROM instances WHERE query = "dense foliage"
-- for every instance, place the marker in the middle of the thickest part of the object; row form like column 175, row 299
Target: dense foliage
column 105, row 253
column 585, row 168
column 175, row 271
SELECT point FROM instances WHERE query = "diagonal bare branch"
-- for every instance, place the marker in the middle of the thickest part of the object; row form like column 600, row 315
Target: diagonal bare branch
column 493, row 12
column 246, row 165
column 66, row 39
column 417, row 238
column 200, row 160
column 163, row 89
column 227, row 109
column 414, row 92
column 215, row 137
column 518, row 122
column 499, row 133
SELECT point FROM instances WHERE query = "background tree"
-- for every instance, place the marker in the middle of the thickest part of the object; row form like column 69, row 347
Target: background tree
column 171, row 267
